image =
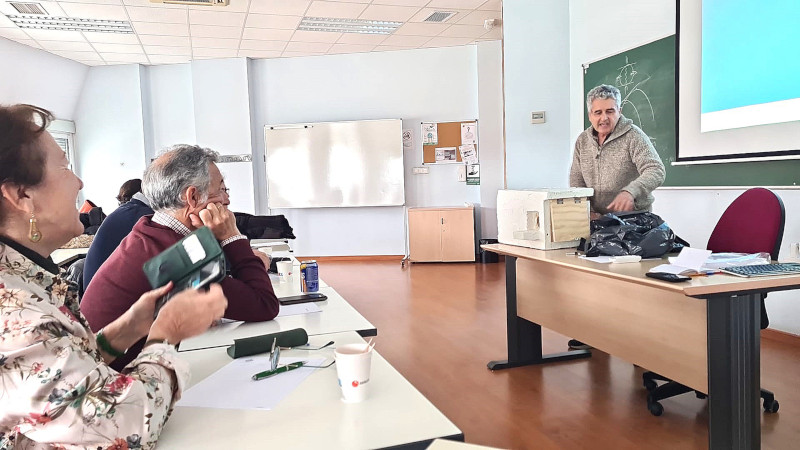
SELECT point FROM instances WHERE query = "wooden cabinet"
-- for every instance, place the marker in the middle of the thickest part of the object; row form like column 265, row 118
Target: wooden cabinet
column 441, row 234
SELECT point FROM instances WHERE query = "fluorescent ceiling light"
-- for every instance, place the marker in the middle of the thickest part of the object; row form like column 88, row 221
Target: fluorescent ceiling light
column 348, row 25
column 69, row 24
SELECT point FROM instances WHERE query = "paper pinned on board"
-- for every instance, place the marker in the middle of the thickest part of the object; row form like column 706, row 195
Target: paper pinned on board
column 232, row 386
column 469, row 133
column 430, row 134
column 468, row 153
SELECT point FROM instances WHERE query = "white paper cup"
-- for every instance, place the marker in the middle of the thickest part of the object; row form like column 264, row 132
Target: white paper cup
column 794, row 250
column 353, row 364
column 284, row 269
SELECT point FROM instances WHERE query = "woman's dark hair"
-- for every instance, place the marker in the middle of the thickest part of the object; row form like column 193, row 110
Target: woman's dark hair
column 21, row 160
column 127, row 190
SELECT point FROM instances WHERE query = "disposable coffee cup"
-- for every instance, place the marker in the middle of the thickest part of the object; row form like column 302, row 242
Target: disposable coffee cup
column 353, row 364
column 284, row 269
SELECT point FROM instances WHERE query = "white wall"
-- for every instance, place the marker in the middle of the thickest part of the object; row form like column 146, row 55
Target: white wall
column 398, row 84
column 692, row 213
column 490, row 110
column 109, row 136
column 536, row 70
column 170, row 106
column 39, row 78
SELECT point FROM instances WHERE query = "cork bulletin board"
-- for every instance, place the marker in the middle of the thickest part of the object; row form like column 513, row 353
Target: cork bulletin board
column 449, row 136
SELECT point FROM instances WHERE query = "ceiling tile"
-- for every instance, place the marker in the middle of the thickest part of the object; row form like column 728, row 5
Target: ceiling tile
column 161, row 29
column 272, row 21
column 495, row 35
column 168, row 59
column 350, row 48
column 280, row 7
column 308, row 47
column 316, row 36
column 492, row 5
column 118, row 48
column 267, row 34
column 421, row 29
column 356, row 38
column 56, row 35
column 167, row 50
column 153, row 5
column 273, row 46
column 111, row 38
column 335, row 9
column 213, row 17
column 233, row 6
column 28, row 42
column 206, row 42
column 401, row 2
column 215, row 52
column 479, row 17
column 425, row 12
column 79, row 56
column 67, row 46
column 462, row 4
column 299, row 54
column 464, row 31
column 215, row 31
column 161, row 15
column 447, row 41
column 104, row 2
column 52, row 8
column 389, row 48
column 386, row 12
column 5, row 22
column 13, row 33
column 124, row 58
column 259, row 53
column 172, row 41
column 92, row 11
column 406, row 41
column 92, row 63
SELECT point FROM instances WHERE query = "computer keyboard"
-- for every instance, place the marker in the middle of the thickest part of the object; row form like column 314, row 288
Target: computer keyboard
column 764, row 270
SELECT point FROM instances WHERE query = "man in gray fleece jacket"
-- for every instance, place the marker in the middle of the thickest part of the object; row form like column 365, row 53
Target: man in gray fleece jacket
column 615, row 157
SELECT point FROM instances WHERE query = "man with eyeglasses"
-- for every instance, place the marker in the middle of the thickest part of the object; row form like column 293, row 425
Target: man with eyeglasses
column 187, row 191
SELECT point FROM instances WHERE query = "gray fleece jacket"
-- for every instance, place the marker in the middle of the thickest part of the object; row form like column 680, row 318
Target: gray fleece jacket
column 626, row 161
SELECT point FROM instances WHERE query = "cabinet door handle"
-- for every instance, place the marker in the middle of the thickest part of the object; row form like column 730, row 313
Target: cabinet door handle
column 442, row 220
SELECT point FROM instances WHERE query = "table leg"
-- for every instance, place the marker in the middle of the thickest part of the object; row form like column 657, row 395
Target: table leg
column 734, row 379
column 524, row 336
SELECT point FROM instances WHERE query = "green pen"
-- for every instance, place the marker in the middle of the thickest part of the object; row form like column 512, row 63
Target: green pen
column 282, row 369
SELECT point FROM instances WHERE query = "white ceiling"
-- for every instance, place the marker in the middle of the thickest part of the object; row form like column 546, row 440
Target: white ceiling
column 166, row 34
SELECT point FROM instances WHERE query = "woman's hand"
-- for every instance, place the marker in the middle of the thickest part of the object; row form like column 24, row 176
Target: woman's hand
column 188, row 314
column 142, row 312
column 218, row 218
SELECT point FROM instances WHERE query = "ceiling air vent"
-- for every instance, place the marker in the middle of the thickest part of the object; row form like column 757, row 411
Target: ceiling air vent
column 28, row 8
column 194, row 2
column 440, row 16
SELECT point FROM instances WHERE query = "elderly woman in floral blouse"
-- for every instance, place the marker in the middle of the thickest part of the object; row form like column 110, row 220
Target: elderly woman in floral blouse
column 56, row 388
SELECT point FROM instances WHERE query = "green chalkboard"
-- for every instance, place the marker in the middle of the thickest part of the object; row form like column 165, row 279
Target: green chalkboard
column 645, row 76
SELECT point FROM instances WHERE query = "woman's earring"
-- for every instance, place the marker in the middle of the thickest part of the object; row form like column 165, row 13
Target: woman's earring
column 34, row 234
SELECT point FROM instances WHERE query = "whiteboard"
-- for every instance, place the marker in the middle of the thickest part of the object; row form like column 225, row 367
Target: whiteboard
column 335, row 164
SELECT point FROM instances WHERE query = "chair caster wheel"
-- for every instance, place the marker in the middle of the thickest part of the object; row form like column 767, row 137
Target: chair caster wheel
column 771, row 407
column 650, row 385
column 655, row 408
column 700, row 395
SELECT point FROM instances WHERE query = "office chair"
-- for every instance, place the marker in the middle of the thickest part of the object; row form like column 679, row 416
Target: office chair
column 753, row 223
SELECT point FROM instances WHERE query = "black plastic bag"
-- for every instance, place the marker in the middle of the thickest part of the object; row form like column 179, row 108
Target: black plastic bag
column 638, row 233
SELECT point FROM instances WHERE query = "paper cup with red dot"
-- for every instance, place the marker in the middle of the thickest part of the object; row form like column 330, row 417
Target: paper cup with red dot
column 353, row 364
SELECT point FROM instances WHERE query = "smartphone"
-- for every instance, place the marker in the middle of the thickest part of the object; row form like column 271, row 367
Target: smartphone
column 671, row 277
column 304, row 298
column 212, row 272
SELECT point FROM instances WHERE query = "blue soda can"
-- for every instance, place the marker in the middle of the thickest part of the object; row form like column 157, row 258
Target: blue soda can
column 309, row 276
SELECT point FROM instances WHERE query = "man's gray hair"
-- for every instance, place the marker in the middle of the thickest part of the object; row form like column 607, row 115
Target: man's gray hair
column 178, row 168
column 603, row 91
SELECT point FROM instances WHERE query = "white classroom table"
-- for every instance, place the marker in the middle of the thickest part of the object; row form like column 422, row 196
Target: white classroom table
column 336, row 316
column 313, row 415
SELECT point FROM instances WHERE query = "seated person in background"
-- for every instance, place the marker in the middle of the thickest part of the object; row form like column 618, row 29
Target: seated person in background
column 187, row 191
column 57, row 388
column 128, row 189
column 133, row 205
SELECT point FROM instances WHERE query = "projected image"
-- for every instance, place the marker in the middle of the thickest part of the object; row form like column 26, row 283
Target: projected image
column 750, row 63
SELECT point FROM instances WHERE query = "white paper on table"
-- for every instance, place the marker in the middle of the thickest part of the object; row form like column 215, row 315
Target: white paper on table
column 298, row 308
column 232, row 386
column 597, row 259
column 468, row 153
column 468, row 133
column 673, row 269
column 691, row 258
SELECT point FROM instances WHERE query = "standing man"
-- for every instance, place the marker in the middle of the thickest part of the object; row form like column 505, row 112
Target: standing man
column 187, row 191
column 616, row 159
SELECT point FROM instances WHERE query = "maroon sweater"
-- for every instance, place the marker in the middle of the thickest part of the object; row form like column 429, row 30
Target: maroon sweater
column 120, row 281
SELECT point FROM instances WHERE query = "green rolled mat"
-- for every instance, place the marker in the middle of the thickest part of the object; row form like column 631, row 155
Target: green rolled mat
column 260, row 344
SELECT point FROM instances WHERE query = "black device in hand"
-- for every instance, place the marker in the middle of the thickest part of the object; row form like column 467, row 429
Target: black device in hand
column 671, row 277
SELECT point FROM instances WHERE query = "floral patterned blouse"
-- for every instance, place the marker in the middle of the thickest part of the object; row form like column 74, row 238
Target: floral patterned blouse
column 55, row 389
